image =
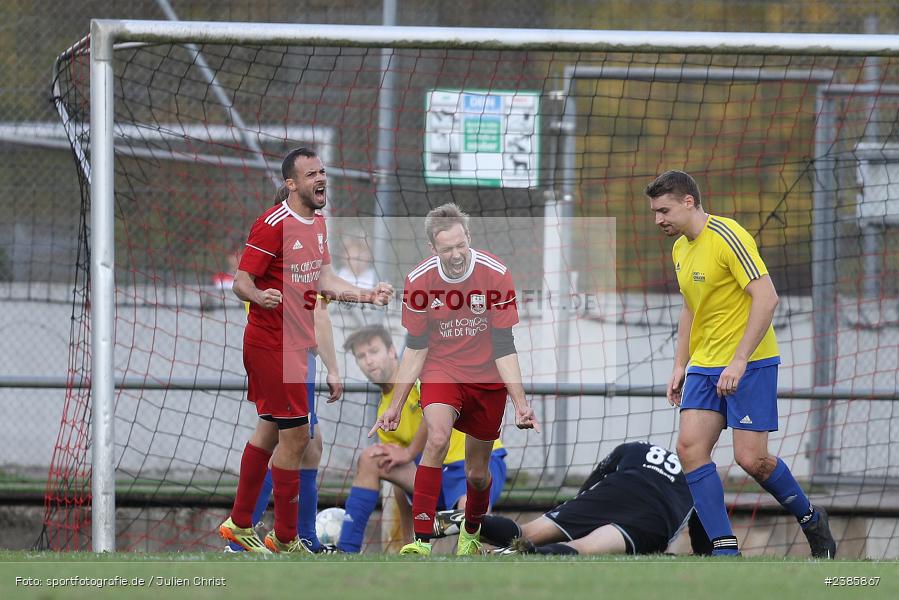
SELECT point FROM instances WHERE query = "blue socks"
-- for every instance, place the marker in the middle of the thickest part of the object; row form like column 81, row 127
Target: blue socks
column 708, row 499
column 265, row 496
column 308, row 508
column 359, row 506
column 783, row 486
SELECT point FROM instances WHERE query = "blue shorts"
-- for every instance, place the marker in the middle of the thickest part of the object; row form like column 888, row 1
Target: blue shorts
column 753, row 407
column 310, row 388
column 453, row 485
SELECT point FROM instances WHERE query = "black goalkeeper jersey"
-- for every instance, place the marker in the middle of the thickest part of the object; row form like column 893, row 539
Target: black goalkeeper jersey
column 640, row 486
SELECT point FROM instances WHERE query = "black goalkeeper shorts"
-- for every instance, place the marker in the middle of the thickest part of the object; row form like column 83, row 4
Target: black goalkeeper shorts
column 612, row 505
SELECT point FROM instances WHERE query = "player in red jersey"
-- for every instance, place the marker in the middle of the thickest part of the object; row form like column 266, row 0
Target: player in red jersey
column 458, row 310
column 284, row 267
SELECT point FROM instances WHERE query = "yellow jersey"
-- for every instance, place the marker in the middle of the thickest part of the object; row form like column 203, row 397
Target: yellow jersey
column 713, row 271
column 410, row 420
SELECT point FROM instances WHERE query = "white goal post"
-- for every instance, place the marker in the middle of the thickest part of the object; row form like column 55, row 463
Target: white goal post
column 106, row 34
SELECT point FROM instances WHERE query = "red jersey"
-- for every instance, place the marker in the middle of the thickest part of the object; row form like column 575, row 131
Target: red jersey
column 458, row 315
column 284, row 247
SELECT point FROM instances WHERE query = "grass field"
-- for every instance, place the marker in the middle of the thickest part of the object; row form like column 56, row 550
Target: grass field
column 375, row 577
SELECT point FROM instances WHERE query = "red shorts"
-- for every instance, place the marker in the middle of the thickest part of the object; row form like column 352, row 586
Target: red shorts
column 266, row 383
column 480, row 408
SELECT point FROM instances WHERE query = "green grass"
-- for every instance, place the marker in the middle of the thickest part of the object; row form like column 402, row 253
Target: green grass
column 375, row 577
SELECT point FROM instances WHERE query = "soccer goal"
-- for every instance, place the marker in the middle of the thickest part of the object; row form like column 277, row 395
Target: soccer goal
column 548, row 138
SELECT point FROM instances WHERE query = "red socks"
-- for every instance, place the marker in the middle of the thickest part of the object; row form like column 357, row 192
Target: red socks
column 476, row 504
column 424, row 500
column 253, row 465
column 286, row 485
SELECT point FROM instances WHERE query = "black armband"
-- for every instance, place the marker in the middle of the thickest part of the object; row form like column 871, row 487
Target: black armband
column 503, row 342
column 417, row 342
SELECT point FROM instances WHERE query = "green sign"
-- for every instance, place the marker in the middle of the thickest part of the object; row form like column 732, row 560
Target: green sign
column 485, row 138
column 482, row 134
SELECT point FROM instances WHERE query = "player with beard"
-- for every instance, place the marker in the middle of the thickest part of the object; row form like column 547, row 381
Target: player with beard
column 284, row 266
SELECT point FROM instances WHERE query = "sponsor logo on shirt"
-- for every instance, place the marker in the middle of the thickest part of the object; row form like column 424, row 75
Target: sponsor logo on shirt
column 698, row 277
column 478, row 303
column 306, row 272
column 658, row 470
column 462, row 327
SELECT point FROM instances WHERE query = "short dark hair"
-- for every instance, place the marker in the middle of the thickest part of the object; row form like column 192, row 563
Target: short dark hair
column 281, row 195
column 287, row 165
column 445, row 217
column 367, row 334
column 674, row 182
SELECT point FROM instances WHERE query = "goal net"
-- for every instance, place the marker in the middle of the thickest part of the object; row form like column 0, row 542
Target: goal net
column 549, row 150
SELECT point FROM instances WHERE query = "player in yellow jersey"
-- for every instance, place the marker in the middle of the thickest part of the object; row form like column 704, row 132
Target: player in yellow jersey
column 726, row 361
column 395, row 457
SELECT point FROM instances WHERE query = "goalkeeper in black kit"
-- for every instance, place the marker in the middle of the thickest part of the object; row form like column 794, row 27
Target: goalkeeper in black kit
column 636, row 501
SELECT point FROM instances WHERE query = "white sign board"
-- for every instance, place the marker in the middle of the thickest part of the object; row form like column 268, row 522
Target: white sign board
column 485, row 138
column 878, row 177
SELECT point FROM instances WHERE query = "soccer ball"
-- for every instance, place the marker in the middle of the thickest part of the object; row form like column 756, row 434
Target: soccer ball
column 328, row 524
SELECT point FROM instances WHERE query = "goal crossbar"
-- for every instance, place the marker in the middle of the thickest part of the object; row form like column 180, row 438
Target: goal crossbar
column 108, row 31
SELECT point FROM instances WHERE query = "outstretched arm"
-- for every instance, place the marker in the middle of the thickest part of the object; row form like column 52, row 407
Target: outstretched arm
column 335, row 287
column 608, row 465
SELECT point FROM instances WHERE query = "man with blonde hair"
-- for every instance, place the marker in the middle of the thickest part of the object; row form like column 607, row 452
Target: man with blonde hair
column 458, row 311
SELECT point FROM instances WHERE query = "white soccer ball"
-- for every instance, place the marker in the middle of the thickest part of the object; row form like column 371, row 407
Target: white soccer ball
column 328, row 524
